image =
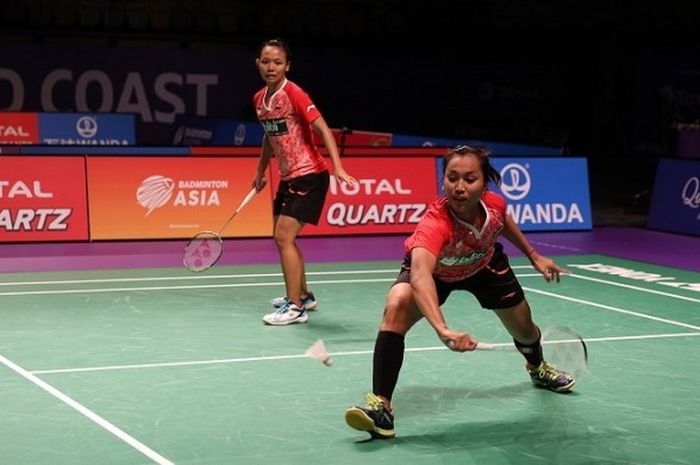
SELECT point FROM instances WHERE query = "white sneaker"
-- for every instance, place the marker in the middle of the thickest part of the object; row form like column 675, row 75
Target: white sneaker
column 286, row 315
column 308, row 301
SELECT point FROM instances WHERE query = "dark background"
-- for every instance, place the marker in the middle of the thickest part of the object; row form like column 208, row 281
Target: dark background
column 588, row 77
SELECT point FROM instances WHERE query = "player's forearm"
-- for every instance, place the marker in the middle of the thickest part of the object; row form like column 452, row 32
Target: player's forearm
column 265, row 156
column 425, row 293
column 324, row 131
column 515, row 236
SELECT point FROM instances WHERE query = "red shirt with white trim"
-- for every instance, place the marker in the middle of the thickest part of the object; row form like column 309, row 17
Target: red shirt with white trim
column 461, row 249
column 286, row 118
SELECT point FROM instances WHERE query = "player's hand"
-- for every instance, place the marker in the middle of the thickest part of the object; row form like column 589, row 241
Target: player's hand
column 458, row 342
column 342, row 176
column 259, row 183
column 550, row 270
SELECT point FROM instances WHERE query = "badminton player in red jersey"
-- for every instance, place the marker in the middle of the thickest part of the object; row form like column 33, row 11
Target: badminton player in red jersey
column 454, row 248
column 288, row 116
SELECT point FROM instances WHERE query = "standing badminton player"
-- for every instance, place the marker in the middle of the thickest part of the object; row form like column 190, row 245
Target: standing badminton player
column 454, row 248
column 288, row 116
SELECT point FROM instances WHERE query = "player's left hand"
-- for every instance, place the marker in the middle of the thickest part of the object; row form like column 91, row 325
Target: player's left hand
column 342, row 176
column 549, row 269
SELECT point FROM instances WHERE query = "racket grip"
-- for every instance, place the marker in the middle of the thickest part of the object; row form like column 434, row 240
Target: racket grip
column 479, row 345
column 246, row 200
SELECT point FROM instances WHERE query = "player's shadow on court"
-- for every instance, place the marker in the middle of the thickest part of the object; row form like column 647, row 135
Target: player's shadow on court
column 547, row 432
column 421, row 400
column 328, row 329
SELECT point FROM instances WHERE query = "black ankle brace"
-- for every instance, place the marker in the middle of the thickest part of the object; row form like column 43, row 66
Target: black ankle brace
column 531, row 352
column 388, row 358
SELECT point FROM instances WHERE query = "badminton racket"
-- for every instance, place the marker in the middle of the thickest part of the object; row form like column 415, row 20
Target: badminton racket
column 206, row 247
column 561, row 346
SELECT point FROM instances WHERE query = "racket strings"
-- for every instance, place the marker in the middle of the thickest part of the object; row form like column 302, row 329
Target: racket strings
column 569, row 356
column 203, row 251
column 565, row 349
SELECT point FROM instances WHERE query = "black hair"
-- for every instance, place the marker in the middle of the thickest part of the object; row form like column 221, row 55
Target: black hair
column 490, row 173
column 276, row 43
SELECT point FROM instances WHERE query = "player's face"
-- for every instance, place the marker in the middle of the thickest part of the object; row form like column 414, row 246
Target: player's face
column 273, row 65
column 464, row 184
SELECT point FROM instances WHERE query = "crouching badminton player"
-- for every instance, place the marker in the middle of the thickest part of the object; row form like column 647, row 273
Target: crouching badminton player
column 454, row 248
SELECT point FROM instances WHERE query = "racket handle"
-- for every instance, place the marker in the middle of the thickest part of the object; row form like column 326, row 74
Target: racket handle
column 243, row 203
column 479, row 345
column 484, row 346
column 246, row 200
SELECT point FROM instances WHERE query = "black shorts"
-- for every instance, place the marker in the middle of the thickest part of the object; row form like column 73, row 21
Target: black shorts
column 303, row 197
column 494, row 287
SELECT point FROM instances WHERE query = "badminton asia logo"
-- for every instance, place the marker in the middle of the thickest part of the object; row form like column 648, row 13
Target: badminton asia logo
column 31, row 219
column 157, row 191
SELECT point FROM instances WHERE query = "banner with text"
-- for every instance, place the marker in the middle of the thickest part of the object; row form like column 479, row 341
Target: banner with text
column 155, row 85
column 544, row 194
column 202, row 131
column 19, row 128
column 675, row 203
column 86, row 129
column 390, row 197
column 159, row 197
column 42, row 199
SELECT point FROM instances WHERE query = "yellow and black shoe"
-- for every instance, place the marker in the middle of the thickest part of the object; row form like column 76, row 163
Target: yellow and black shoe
column 549, row 377
column 374, row 418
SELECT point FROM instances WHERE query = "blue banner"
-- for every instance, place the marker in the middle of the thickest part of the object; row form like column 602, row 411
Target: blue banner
column 543, row 194
column 91, row 129
column 675, row 202
column 193, row 130
column 496, row 148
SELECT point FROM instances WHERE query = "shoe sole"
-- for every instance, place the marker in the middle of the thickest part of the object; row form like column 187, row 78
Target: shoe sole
column 357, row 419
column 291, row 322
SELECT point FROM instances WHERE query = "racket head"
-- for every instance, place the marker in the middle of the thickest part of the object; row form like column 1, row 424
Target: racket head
column 203, row 251
column 565, row 348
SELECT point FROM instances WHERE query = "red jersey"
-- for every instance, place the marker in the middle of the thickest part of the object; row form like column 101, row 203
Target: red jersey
column 286, row 118
column 461, row 249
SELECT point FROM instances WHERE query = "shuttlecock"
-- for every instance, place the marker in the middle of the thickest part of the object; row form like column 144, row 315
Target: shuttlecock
column 318, row 351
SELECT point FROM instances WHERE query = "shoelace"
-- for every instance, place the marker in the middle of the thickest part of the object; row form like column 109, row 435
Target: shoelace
column 549, row 371
column 374, row 402
column 283, row 309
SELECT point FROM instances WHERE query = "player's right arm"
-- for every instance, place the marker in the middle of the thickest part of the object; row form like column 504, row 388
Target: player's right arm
column 423, row 263
column 265, row 154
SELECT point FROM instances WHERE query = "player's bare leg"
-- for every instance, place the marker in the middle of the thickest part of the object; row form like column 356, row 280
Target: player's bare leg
column 292, row 261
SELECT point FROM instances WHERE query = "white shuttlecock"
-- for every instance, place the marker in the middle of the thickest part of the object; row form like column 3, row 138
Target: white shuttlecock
column 318, row 351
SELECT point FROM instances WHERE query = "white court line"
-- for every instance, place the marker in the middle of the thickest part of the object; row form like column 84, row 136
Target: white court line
column 614, row 309
column 333, row 354
column 341, row 281
column 205, row 286
column 145, row 450
column 193, row 277
column 208, row 276
column 636, row 288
